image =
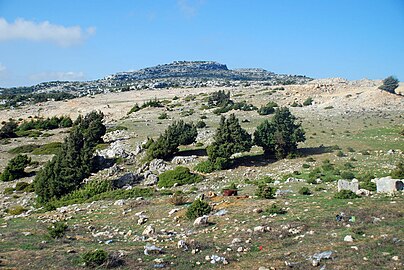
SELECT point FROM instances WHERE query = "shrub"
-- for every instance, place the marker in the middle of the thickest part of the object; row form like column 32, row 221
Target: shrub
column 398, row 172
column 345, row 194
column 347, row 175
column 310, row 159
column 15, row 168
column 48, row 149
column 265, row 110
column 389, row 84
column 264, row 191
column 94, row 258
column 304, row 191
column 295, row 104
column 275, row 209
column 328, row 107
column 350, row 149
column 205, row 167
column 57, row 229
column 8, row 190
column 200, row 124
column 340, row 154
column 16, row 210
column 308, row 101
column 178, row 133
column 197, row 209
column 180, row 175
column 266, row 180
column 368, row 185
column 305, row 166
column 163, row 115
column 178, row 198
column 20, row 186
column 28, row 148
column 8, row 130
column 135, row 108
column 187, row 112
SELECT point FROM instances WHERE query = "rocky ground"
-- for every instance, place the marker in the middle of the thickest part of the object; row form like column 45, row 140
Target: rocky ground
column 148, row 232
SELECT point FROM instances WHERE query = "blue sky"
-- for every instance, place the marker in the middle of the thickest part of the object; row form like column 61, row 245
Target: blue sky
column 45, row 40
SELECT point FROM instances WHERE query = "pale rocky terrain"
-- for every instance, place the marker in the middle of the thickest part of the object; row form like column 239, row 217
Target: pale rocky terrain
column 238, row 234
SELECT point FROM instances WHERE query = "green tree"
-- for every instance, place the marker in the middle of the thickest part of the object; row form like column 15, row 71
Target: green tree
column 280, row 135
column 230, row 138
column 219, row 99
column 8, row 130
column 74, row 162
column 389, row 84
column 178, row 133
column 15, row 168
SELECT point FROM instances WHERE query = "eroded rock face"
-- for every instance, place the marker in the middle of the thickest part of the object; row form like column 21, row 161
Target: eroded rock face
column 348, row 185
column 389, row 185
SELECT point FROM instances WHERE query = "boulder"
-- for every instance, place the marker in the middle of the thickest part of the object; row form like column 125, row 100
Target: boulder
column 150, row 180
column 149, row 230
column 201, row 221
column 347, row 185
column 126, row 179
column 183, row 159
column 363, row 192
column 158, row 165
column 389, row 185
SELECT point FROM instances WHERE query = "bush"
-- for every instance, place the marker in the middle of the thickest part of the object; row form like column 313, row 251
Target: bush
column 305, row 166
column 205, row 167
column 398, row 172
column 328, row 107
column 48, row 149
column 180, row 175
column 94, row 258
column 21, row 186
column 16, row 210
column 163, row 115
column 347, row 175
column 200, row 124
column 345, row 194
column 197, row 209
column 135, row 108
column 178, row 133
column 178, row 198
column 340, row 154
column 28, row 148
column 265, row 110
column 308, row 101
column 368, row 185
column 304, row 191
column 15, row 168
column 350, row 149
column 389, row 84
column 8, row 130
column 264, row 191
column 57, row 229
column 310, row 159
column 275, row 209
column 8, row 190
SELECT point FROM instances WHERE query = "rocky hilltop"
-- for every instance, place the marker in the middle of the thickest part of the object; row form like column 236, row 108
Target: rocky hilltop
column 176, row 74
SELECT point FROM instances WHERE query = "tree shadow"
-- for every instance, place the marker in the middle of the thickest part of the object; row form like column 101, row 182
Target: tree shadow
column 259, row 160
column 307, row 151
column 193, row 152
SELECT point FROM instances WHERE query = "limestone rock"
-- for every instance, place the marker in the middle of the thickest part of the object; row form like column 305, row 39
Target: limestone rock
column 200, row 221
column 149, row 230
column 389, row 185
column 347, row 185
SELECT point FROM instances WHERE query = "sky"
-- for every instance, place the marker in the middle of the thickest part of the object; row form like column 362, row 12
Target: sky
column 46, row 40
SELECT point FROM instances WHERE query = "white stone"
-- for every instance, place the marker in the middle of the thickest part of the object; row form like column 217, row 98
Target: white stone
column 259, row 229
column 389, row 185
column 149, row 230
column 348, row 238
column 347, row 185
column 201, row 221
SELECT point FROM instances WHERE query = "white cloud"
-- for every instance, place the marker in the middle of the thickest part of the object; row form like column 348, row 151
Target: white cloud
column 2, row 67
column 43, row 31
column 189, row 7
column 57, row 76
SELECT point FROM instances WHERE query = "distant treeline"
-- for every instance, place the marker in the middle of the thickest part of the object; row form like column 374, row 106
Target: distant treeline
column 16, row 99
